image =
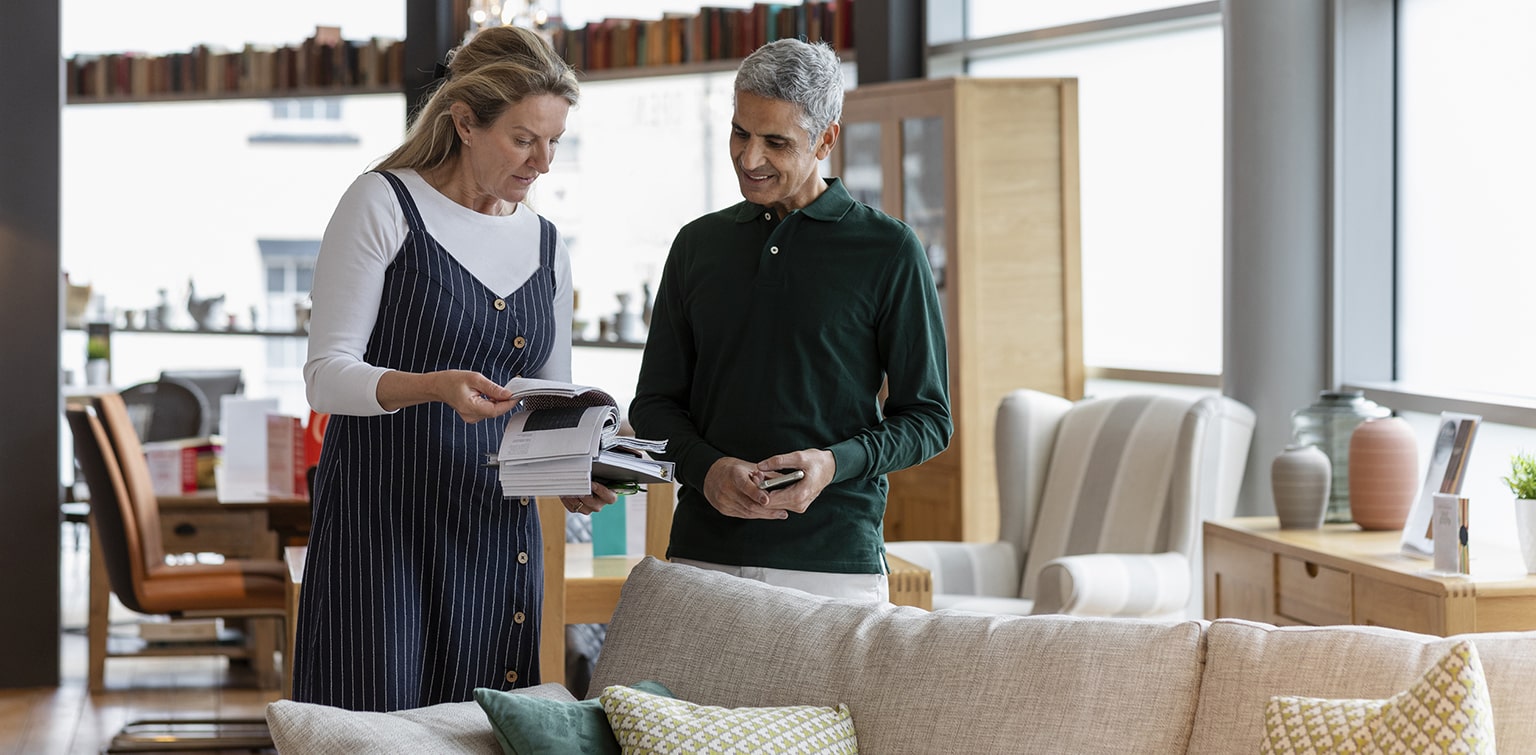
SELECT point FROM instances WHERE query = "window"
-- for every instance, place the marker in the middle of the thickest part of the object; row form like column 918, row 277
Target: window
column 987, row 18
column 1151, row 125
column 1466, row 246
column 203, row 189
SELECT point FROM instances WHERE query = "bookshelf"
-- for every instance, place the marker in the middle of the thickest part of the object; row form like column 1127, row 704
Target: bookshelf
column 327, row 65
column 721, row 35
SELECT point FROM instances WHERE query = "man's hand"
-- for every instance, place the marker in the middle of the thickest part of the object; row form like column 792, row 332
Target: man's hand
column 819, row 466
column 731, row 487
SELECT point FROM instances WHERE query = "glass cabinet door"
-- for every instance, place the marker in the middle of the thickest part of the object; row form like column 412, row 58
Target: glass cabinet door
column 863, row 175
column 922, row 187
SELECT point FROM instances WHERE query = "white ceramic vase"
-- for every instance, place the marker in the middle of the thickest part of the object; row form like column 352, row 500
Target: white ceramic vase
column 98, row 372
column 1525, row 528
column 1301, row 477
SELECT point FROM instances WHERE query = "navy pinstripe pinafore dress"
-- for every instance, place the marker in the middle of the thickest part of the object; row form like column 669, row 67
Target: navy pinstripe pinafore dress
column 422, row 582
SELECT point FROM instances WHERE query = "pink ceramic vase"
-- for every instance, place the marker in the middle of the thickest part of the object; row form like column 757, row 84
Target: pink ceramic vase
column 1383, row 473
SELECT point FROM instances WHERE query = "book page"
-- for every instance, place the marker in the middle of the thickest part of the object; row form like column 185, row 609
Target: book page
column 555, row 432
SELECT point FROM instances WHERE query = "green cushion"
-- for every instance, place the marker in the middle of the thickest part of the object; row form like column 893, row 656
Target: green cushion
column 527, row 725
column 648, row 724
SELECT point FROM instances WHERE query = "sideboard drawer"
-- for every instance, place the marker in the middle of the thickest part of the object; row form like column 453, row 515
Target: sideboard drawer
column 1311, row 593
column 1386, row 605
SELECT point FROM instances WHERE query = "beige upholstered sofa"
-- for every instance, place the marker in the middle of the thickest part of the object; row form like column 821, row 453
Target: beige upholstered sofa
column 949, row 682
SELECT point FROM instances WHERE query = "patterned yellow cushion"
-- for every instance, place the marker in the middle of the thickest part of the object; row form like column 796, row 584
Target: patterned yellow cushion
column 646, row 723
column 1447, row 711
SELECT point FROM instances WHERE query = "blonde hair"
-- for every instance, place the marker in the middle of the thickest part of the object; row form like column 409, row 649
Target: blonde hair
column 497, row 68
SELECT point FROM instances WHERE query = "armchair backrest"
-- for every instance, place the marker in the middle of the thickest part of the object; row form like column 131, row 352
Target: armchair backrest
column 1124, row 474
column 144, row 507
column 115, row 523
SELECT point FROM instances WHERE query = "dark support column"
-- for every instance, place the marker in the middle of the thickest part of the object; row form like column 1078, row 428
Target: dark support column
column 29, row 340
column 430, row 32
column 889, row 40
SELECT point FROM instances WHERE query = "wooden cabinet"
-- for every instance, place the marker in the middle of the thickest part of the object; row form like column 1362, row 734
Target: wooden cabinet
column 986, row 172
column 1341, row 575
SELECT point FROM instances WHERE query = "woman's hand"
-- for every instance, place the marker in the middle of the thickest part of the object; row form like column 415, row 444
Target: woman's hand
column 589, row 504
column 472, row 395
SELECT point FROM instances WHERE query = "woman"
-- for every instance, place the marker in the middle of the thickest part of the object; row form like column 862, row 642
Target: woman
column 434, row 287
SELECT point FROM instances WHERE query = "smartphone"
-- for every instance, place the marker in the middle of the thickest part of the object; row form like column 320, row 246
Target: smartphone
column 786, row 477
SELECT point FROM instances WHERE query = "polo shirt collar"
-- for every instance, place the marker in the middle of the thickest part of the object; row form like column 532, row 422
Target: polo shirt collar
column 831, row 206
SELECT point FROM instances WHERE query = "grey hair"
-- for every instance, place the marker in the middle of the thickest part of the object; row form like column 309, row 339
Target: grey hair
column 803, row 73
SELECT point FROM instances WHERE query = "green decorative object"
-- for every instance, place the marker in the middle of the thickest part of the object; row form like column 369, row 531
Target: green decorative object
column 528, row 725
column 1522, row 476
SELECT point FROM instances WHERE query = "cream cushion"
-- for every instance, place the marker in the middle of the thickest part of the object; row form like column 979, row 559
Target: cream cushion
column 1446, row 711
column 647, row 723
column 923, row 682
column 1247, row 663
column 446, row 729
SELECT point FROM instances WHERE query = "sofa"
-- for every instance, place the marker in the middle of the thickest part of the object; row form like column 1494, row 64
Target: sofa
column 947, row 681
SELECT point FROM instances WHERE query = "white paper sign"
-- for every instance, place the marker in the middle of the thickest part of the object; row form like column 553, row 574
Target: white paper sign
column 245, row 446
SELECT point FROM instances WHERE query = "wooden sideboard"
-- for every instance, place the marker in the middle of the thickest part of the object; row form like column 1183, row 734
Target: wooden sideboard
column 1342, row 575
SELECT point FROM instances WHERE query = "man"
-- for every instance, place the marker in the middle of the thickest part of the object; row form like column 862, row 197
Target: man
column 775, row 325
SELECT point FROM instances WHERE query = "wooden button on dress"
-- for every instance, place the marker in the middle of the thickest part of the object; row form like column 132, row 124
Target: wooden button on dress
column 519, row 342
column 522, row 557
column 499, row 304
column 518, row 617
column 511, row 677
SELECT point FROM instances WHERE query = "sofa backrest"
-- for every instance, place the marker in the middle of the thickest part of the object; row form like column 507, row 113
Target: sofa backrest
column 1247, row 663
column 916, row 682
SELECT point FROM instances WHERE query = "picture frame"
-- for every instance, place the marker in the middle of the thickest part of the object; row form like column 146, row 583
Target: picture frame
column 1445, row 473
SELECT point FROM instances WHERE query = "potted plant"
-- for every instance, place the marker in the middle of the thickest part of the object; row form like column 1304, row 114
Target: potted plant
column 1522, row 482
column 98, row 354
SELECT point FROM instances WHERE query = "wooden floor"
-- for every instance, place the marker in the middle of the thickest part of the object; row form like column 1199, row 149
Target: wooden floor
column 67, row 719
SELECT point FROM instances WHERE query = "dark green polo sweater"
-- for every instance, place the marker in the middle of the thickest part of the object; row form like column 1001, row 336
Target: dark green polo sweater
column 773, row 336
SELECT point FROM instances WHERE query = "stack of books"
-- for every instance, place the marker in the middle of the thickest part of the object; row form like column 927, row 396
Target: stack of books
column 565, row 437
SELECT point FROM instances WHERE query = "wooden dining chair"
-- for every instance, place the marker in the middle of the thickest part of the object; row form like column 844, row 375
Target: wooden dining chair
column 125, row 518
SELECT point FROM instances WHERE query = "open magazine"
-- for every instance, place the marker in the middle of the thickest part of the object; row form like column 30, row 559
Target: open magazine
column 564, row 437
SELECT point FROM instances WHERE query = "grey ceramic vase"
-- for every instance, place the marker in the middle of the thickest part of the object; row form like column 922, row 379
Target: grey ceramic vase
column 1301, row 477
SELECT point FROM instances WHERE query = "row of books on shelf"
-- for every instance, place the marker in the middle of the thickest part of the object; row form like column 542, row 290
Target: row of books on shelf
column 711, row 34
column 324, row 61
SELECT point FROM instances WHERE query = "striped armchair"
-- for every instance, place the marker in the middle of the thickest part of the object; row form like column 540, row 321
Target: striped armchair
column 1101, row 503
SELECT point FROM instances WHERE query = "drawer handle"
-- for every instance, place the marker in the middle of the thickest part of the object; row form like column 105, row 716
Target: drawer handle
column 1311, row 569
column 185, row 530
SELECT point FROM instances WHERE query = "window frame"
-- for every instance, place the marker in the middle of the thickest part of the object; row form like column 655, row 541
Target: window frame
column 1365, row 311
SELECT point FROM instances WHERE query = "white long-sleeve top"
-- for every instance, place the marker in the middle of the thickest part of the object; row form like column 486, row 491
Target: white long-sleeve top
column 364, row 235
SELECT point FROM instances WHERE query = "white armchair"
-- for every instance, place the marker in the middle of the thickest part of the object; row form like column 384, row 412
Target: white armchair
column 1101, row 504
